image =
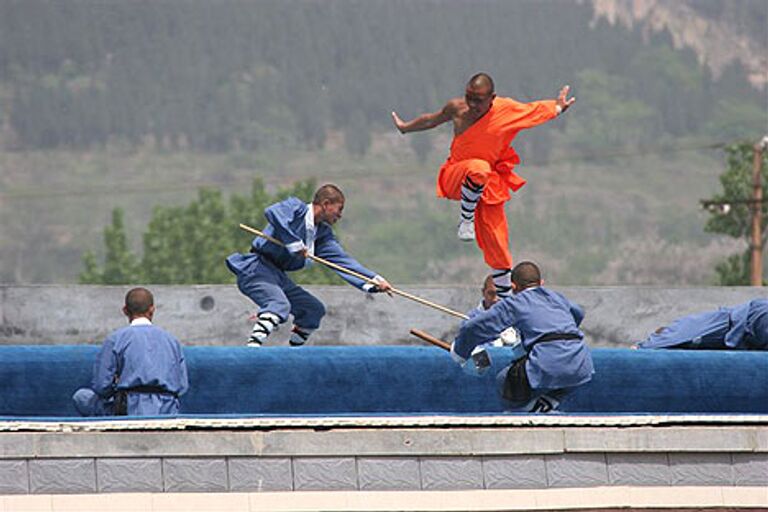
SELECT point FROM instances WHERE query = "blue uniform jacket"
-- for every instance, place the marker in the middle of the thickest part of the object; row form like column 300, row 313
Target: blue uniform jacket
column 141, row 355
column 286, row 223
column 740, row 327
column 535, row 312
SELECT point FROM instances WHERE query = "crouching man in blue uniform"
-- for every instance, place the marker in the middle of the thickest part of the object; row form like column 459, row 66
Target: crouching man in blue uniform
column 261, row 275
column 140, row 369
column 556, row 360
column 742, row 327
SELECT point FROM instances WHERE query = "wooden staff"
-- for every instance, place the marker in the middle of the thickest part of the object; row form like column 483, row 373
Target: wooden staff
column 431, row 339
column 358, row 275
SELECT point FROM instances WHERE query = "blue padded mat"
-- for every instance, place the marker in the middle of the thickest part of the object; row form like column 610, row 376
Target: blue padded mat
column 39, row 381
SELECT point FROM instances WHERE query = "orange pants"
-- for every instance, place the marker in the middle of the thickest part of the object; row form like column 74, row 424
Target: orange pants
column 491, row 231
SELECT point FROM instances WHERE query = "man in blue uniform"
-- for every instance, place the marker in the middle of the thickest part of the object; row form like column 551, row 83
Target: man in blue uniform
column 556, row 358
column 742, row 327
column 261, row 275
column 140, row 369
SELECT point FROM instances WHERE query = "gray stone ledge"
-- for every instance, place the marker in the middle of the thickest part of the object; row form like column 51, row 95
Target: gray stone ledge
column 384, row 442
column 699, row 439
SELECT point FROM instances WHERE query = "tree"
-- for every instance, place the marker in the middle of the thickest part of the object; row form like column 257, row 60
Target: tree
column 120, row 264
column 736, row 221
column 188, row 244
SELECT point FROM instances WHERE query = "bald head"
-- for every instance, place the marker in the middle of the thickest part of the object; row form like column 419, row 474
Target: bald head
column 328, row 193
column 525, row 275
column 139, row 302
column 481, row 82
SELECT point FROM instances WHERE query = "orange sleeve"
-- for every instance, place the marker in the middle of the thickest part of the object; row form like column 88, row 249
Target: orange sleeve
column 519, row 116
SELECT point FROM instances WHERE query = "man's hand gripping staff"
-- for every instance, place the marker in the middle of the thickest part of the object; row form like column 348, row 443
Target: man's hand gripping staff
column 481, row 361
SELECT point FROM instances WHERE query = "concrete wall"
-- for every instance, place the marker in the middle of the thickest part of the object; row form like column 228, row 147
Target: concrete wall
column 394, row 459
column 218, row 315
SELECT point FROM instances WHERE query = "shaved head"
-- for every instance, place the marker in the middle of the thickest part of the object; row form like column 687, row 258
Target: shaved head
column 525, row 275
column 328, row 192
column 138, row 302
column 481, row 81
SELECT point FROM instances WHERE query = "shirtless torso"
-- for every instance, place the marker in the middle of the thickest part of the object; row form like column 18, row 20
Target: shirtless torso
column 462, row 112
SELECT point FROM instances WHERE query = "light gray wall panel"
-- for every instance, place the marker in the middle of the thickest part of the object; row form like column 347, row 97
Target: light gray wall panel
column 62, row 476
column 129, row 475
column 260, row 474
column 701, row 468
column 750, row 469
column 388, row 473
column 515, row 472
column 195, row 475
column 14, row 477
column 324, row 474
column 638, row 469
column 451, row 473
column 576, row 470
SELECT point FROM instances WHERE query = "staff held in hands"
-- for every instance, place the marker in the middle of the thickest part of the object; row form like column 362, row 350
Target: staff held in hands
column 390, row 290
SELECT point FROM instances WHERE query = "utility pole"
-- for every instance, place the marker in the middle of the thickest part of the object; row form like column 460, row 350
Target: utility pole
column 756, row 260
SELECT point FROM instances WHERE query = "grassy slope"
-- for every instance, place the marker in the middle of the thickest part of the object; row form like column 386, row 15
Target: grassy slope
column 633, row 220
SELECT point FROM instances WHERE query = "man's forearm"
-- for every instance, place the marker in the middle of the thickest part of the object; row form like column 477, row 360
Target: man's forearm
column 421, row 123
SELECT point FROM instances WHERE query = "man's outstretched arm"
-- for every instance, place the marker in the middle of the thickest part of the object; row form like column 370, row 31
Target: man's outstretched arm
column 424, row 121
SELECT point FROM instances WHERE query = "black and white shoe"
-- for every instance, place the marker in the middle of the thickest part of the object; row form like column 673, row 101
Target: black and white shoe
column 544, row 404
column 298, row 336
column 254, row 343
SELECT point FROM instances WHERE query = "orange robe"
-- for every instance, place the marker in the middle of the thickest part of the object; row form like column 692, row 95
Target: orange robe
column 483, row 153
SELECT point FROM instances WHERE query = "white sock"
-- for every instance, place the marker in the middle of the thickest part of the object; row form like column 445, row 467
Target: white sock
column 266, row 323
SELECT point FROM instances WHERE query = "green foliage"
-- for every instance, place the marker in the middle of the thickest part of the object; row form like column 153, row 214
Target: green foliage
column 734, row 271
column 188, row 244
column 737, row 186
column 120, row 264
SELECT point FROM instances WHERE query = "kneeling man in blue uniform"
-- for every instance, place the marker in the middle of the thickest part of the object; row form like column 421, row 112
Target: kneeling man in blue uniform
column 261, row 275
column 742, row 327
column 555, row 359
column 140, row 369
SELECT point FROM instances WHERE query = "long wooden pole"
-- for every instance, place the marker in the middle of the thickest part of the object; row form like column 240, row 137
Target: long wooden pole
column 431, row 339
column 358, row 275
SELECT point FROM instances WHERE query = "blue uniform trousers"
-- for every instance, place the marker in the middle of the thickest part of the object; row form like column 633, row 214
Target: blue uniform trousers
column 88, row 403
column 274, row 292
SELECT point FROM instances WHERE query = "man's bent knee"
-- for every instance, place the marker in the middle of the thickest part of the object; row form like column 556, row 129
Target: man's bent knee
column 479, row 171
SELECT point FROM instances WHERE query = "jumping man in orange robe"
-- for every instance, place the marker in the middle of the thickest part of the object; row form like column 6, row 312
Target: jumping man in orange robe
column 478, row 171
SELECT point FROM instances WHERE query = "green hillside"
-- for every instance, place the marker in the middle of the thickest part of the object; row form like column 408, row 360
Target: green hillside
column 138, row 104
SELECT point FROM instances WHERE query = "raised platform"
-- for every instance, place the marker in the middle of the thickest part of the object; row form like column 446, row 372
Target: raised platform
column 483, row 462
column 381, row 428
